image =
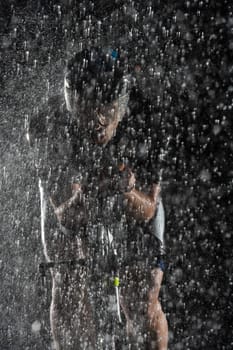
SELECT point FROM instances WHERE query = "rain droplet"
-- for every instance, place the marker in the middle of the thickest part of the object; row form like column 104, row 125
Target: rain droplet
column 26, row 56
column 36, row 327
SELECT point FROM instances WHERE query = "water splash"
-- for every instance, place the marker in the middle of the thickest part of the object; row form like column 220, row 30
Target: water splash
column 43, row 208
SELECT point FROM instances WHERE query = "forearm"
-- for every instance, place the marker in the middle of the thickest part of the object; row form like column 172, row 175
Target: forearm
column 71, row 213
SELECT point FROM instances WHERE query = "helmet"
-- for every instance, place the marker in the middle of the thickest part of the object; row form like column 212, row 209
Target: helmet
column 97, row 76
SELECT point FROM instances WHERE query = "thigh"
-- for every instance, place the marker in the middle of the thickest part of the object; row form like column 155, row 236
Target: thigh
column 134, row 291
column 71, row 312
column 140, row 290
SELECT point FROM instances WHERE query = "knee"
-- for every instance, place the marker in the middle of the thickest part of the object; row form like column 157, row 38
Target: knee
column 154, row 308
column 154, row 311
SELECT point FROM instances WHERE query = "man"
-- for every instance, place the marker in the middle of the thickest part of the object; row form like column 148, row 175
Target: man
column 111, row 217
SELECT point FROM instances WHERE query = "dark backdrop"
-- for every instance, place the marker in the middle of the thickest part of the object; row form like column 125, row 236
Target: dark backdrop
column 193, row 52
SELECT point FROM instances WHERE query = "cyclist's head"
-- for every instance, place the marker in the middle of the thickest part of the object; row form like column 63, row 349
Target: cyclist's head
column 95, row 77
column 97, row 86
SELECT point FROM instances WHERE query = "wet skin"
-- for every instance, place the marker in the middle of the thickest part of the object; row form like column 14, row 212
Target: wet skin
column 101, row 122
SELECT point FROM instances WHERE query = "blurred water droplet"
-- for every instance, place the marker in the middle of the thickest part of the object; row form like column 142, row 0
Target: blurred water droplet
column 216, row 129
column 205, row 175
column 36, row 327
column 26, row 56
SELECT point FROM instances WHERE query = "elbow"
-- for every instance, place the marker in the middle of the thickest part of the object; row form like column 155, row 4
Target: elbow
column 148, row 213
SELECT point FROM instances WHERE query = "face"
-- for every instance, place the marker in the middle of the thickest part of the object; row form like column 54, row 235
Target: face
column 100, row 120
column 106, row 122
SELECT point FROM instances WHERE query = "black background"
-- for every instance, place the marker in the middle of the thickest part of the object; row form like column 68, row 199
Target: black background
column 194, row 56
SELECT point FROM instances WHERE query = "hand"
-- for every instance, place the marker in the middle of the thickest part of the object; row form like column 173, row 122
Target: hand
column 76, row 189
column 125, row 180
column 154, row 192
column 71, row 214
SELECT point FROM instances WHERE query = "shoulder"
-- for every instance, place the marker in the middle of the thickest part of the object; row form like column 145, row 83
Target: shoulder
column 142, row 117
column 46, row 120
column 51, row 140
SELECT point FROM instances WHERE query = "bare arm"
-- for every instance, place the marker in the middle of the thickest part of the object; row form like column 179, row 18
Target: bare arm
column 140, row 205
column 71, row 214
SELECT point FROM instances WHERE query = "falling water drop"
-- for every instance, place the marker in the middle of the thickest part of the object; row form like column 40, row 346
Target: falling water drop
column 26, row 56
